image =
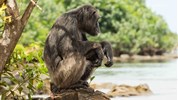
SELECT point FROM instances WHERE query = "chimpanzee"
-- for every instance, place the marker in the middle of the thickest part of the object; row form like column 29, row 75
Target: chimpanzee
column 69, row 56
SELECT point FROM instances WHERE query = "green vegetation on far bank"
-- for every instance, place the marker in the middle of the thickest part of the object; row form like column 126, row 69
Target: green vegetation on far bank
column 130, row 26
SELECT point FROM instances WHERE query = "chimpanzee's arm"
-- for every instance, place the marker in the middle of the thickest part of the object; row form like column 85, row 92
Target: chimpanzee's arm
column 107, row 49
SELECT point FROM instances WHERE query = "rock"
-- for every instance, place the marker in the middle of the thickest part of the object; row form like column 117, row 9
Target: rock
column 92, row 94
column 141, row 58
column 80, row 94
column 102, row 85
column 125, row 56
column 126, row 90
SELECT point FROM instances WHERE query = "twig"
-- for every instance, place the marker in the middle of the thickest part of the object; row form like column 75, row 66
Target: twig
column 27, row 12
column 36, row 5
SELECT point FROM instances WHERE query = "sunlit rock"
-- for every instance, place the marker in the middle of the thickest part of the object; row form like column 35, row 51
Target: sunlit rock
column 126, row 90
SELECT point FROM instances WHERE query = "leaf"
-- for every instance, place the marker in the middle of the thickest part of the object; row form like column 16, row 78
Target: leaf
column 3, row 96
column 91, row 79
column 2, row 83
column 20, row 89
column 29, row 97
column 3, row 7
column 40, row 85
column 7, row 19
column 12, row 92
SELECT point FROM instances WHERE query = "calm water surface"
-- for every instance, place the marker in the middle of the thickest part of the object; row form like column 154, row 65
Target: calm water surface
column 160, row 76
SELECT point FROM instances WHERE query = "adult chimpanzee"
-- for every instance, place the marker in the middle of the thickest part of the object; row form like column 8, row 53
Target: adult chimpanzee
column 69, row 56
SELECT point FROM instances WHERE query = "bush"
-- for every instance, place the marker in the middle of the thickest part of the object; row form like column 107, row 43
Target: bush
column 23, row 74
column 129, row 25
column 132, row 28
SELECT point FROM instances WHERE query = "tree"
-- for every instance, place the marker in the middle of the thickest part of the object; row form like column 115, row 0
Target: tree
column 13, row 30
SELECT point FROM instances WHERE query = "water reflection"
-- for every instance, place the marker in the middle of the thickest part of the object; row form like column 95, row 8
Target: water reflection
column 160, row 76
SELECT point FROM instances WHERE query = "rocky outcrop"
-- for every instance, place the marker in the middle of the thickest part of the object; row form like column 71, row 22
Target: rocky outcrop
column 93, row 93
column 103, row 86
column 78, row 94
column 81, row 94
column 126, row 90
column 123, row 90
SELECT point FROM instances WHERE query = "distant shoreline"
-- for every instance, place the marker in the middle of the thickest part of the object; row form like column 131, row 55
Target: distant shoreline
column 140, row 58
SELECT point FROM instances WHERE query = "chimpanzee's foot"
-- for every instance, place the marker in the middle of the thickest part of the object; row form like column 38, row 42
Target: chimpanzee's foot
column 80, row 84
column 54, row 89
column 77, row 86
column 86, row 83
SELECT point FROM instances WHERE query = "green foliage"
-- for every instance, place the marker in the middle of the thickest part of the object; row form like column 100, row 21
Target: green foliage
column 132, row 28
column 92, row 78
column 129, row 25
column 41, row 21
column 22, row 74
column 3, row 18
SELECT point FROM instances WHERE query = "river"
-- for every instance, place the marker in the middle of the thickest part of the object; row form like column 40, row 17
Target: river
column 160, row 76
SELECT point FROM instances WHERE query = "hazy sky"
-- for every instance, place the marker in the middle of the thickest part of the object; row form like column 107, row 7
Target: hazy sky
column 166, row 8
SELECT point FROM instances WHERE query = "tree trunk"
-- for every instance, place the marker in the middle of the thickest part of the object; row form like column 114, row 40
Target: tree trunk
column 13, row 30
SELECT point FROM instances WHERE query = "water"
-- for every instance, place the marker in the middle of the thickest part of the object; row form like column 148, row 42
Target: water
column 160, row 76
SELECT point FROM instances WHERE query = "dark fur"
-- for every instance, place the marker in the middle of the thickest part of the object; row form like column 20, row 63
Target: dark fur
column 68, row 54
column 107, row 50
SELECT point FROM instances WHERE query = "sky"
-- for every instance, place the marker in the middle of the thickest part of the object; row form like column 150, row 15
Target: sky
column 166, row 8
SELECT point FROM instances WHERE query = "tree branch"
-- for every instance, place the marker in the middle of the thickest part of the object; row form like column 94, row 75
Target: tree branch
column 13, row 30
column 28, row 11
column 12, row 9
column 1, row 2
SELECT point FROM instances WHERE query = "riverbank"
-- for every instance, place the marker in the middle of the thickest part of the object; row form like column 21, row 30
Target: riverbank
column 159, row 76
column 140, row 58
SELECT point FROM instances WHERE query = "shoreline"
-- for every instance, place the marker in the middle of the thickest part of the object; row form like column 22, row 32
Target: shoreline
column 141, row 58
